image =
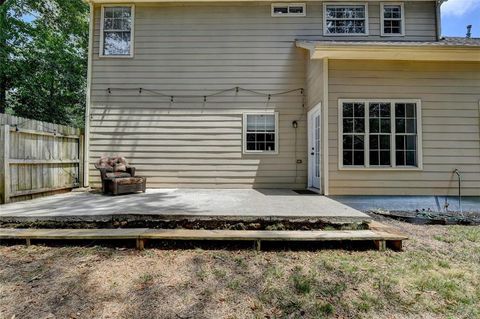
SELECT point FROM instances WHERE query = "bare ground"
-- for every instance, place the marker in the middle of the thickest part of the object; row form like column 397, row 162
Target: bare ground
column 437, row 276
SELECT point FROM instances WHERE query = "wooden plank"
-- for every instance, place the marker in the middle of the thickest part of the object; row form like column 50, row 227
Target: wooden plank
column 39, row 190
column 45, row 157
column 381, row 240
column 380, row 244
column 6, row 163
column 189, row 234
column 2, row 141
column 81, row 165
column 124, row 233
column 140, row 244
column 18, row 161
column 266, row 235
column 35, row 132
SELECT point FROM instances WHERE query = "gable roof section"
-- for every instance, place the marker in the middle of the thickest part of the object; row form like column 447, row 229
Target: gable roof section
column 447, row 49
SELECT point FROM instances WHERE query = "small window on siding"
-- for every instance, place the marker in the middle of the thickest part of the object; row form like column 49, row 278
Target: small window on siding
column 393, row 20
column 117, row 27
column 345, row 19
column 260, row 133
column 379, row 134
column 288, row 9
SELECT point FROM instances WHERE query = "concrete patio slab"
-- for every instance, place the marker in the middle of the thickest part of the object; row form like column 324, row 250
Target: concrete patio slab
column 191, row 203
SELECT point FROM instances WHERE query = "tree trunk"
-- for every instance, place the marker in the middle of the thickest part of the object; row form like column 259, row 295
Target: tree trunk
column 3, row 95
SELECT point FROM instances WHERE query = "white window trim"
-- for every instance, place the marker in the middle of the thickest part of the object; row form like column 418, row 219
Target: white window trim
column 244, row 133
column 132, row 32
column 367, row 166
column 367, row 29
column 303, row 14
column 382, row 19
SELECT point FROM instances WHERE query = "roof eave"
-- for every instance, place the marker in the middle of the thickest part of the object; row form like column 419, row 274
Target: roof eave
column 391, row 52
column 182, row 1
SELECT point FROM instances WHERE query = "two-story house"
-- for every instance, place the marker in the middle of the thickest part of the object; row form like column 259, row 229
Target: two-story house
column 345, row 97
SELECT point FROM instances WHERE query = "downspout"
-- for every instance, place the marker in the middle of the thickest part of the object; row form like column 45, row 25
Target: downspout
column 326, row 190
column 459, row 176
column 438, row 17
column 86, row 154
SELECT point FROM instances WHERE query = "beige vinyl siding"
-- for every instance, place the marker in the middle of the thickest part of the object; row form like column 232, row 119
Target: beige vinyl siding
column 449, row 94
column 197, row 49
column 314, row 82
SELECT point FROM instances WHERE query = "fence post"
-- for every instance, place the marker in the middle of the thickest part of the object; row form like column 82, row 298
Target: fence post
column 81, row 160
column 6, row 163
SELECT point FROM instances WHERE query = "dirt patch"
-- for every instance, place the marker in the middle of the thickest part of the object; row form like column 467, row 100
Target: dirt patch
column 433, row 218
column 437, row 276
column 256, row 224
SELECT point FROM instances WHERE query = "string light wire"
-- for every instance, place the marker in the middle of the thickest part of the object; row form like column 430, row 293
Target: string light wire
column 237, row 89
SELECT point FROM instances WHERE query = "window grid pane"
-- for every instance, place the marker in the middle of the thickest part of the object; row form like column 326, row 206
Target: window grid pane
column 345, row 19
column 392, row 19
column 260, row 132
column 117, row 26
column 406, row 134
column 379, row 134
column 353, row 134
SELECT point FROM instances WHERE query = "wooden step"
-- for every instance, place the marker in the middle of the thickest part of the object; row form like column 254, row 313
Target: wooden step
column 381, row 238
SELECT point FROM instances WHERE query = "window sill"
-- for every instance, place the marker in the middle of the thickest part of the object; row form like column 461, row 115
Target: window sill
column 345, row 34
column 344, row 168
column 115, row 56
column 259, row 153
column 390, row 35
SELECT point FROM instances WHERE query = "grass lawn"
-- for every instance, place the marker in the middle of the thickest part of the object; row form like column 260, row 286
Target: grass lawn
column 437, row 276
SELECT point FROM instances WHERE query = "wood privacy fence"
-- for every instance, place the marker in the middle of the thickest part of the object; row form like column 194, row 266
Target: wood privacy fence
column 38, row 158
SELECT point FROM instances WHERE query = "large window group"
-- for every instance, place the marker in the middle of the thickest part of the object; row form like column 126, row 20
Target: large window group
column 345, row 19
column 379, row 133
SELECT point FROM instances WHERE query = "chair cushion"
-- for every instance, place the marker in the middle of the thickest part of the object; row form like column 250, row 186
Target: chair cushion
column 129, row 180
column 112, row 164
column 117, row 175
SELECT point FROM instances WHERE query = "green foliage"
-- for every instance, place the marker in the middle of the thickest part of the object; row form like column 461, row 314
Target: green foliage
column 303, row 283
column 43, row 53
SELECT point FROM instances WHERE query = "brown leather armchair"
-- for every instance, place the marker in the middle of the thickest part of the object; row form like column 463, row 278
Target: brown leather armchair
column 118, row 177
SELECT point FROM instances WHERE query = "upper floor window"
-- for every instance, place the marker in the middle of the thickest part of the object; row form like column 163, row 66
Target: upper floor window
column 345, row 19
column 393, row 20
column 288, row 9
column 260, row 133
column 380, row 133
column 117, row 31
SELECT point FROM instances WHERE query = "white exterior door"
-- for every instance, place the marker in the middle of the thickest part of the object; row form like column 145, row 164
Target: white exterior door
column 314, row 146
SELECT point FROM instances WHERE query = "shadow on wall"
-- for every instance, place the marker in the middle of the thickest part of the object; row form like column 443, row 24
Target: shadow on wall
column 200, row 144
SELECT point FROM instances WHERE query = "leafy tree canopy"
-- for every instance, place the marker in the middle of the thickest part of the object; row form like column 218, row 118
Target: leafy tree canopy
column 43, row 59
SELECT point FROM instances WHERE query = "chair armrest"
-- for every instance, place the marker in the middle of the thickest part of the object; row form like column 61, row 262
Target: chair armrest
column 131, row 170
column 103, row 173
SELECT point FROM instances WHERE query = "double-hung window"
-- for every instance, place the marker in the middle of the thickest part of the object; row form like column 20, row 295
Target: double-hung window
column 393, row 19
column 379, row 134
column 260, row 133
column 345, row 19
column 117, row 31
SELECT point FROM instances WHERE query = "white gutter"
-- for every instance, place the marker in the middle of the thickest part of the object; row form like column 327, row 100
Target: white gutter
column 86, row 153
